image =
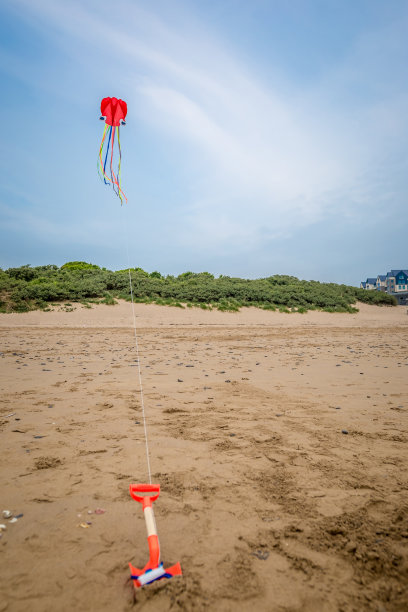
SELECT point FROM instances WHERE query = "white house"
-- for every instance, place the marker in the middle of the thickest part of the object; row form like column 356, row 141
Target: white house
column 370, row 283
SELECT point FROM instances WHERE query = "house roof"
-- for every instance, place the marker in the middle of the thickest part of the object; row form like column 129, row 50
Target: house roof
column 383, row 277
column 395, row 272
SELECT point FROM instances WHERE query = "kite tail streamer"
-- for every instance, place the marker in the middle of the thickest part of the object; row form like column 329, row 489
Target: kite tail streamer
column 109, row 137
column 113, row 178
column 100, row 163
column 116, row 179
column 120, row 155
column 107, row 182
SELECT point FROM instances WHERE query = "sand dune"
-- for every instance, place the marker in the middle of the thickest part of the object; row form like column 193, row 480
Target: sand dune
column 266, row 503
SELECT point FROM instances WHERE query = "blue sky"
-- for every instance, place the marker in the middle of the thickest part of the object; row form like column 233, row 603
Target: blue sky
column 262, row 137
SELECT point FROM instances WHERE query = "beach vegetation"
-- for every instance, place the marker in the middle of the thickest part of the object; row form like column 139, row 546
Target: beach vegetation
column 79, row 265
column 27, row 288
column 108, row 299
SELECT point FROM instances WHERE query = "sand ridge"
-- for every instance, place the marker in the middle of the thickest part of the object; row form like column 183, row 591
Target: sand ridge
column 76, row 315
column 265, row 502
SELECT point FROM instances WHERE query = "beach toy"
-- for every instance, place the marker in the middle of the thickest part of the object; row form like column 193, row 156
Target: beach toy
column 146, row 494
column 113, row 113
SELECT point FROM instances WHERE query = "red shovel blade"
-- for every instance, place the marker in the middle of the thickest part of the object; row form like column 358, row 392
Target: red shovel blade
column 144, row 488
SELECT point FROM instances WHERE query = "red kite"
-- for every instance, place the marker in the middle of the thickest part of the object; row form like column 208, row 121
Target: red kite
column 113, row 112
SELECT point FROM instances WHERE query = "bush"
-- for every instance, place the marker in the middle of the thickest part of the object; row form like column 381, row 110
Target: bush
column 109, row 300
column 27, row 288
column 79, row 265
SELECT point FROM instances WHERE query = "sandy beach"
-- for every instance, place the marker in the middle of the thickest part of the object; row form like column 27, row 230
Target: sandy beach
column 279, row 441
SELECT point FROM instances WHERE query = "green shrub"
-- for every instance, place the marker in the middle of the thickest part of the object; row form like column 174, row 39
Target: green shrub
column 109, row 300
column 79, row 265
column 28, row 288
column 283, row 309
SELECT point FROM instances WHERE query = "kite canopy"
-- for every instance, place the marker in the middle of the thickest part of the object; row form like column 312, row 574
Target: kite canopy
column 113, row 111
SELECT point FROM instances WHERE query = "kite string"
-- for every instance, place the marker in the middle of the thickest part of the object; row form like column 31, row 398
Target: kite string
column 137, row 352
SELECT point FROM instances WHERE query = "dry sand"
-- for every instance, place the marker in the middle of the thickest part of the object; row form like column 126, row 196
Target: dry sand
column 265, row 502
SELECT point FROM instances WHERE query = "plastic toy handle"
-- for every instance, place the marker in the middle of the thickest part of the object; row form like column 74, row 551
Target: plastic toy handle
column 144, row 488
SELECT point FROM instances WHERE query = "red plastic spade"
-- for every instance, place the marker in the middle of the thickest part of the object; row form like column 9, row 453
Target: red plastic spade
column 146, row 494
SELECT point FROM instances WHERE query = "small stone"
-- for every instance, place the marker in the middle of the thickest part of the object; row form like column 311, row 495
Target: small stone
column 351, row 547
column 344, row 431
column 3, row 527
column 334, row 531
column 13, row 520
column 261, row 554
column 372, row 556
column 7, row 514
column 179, row 380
